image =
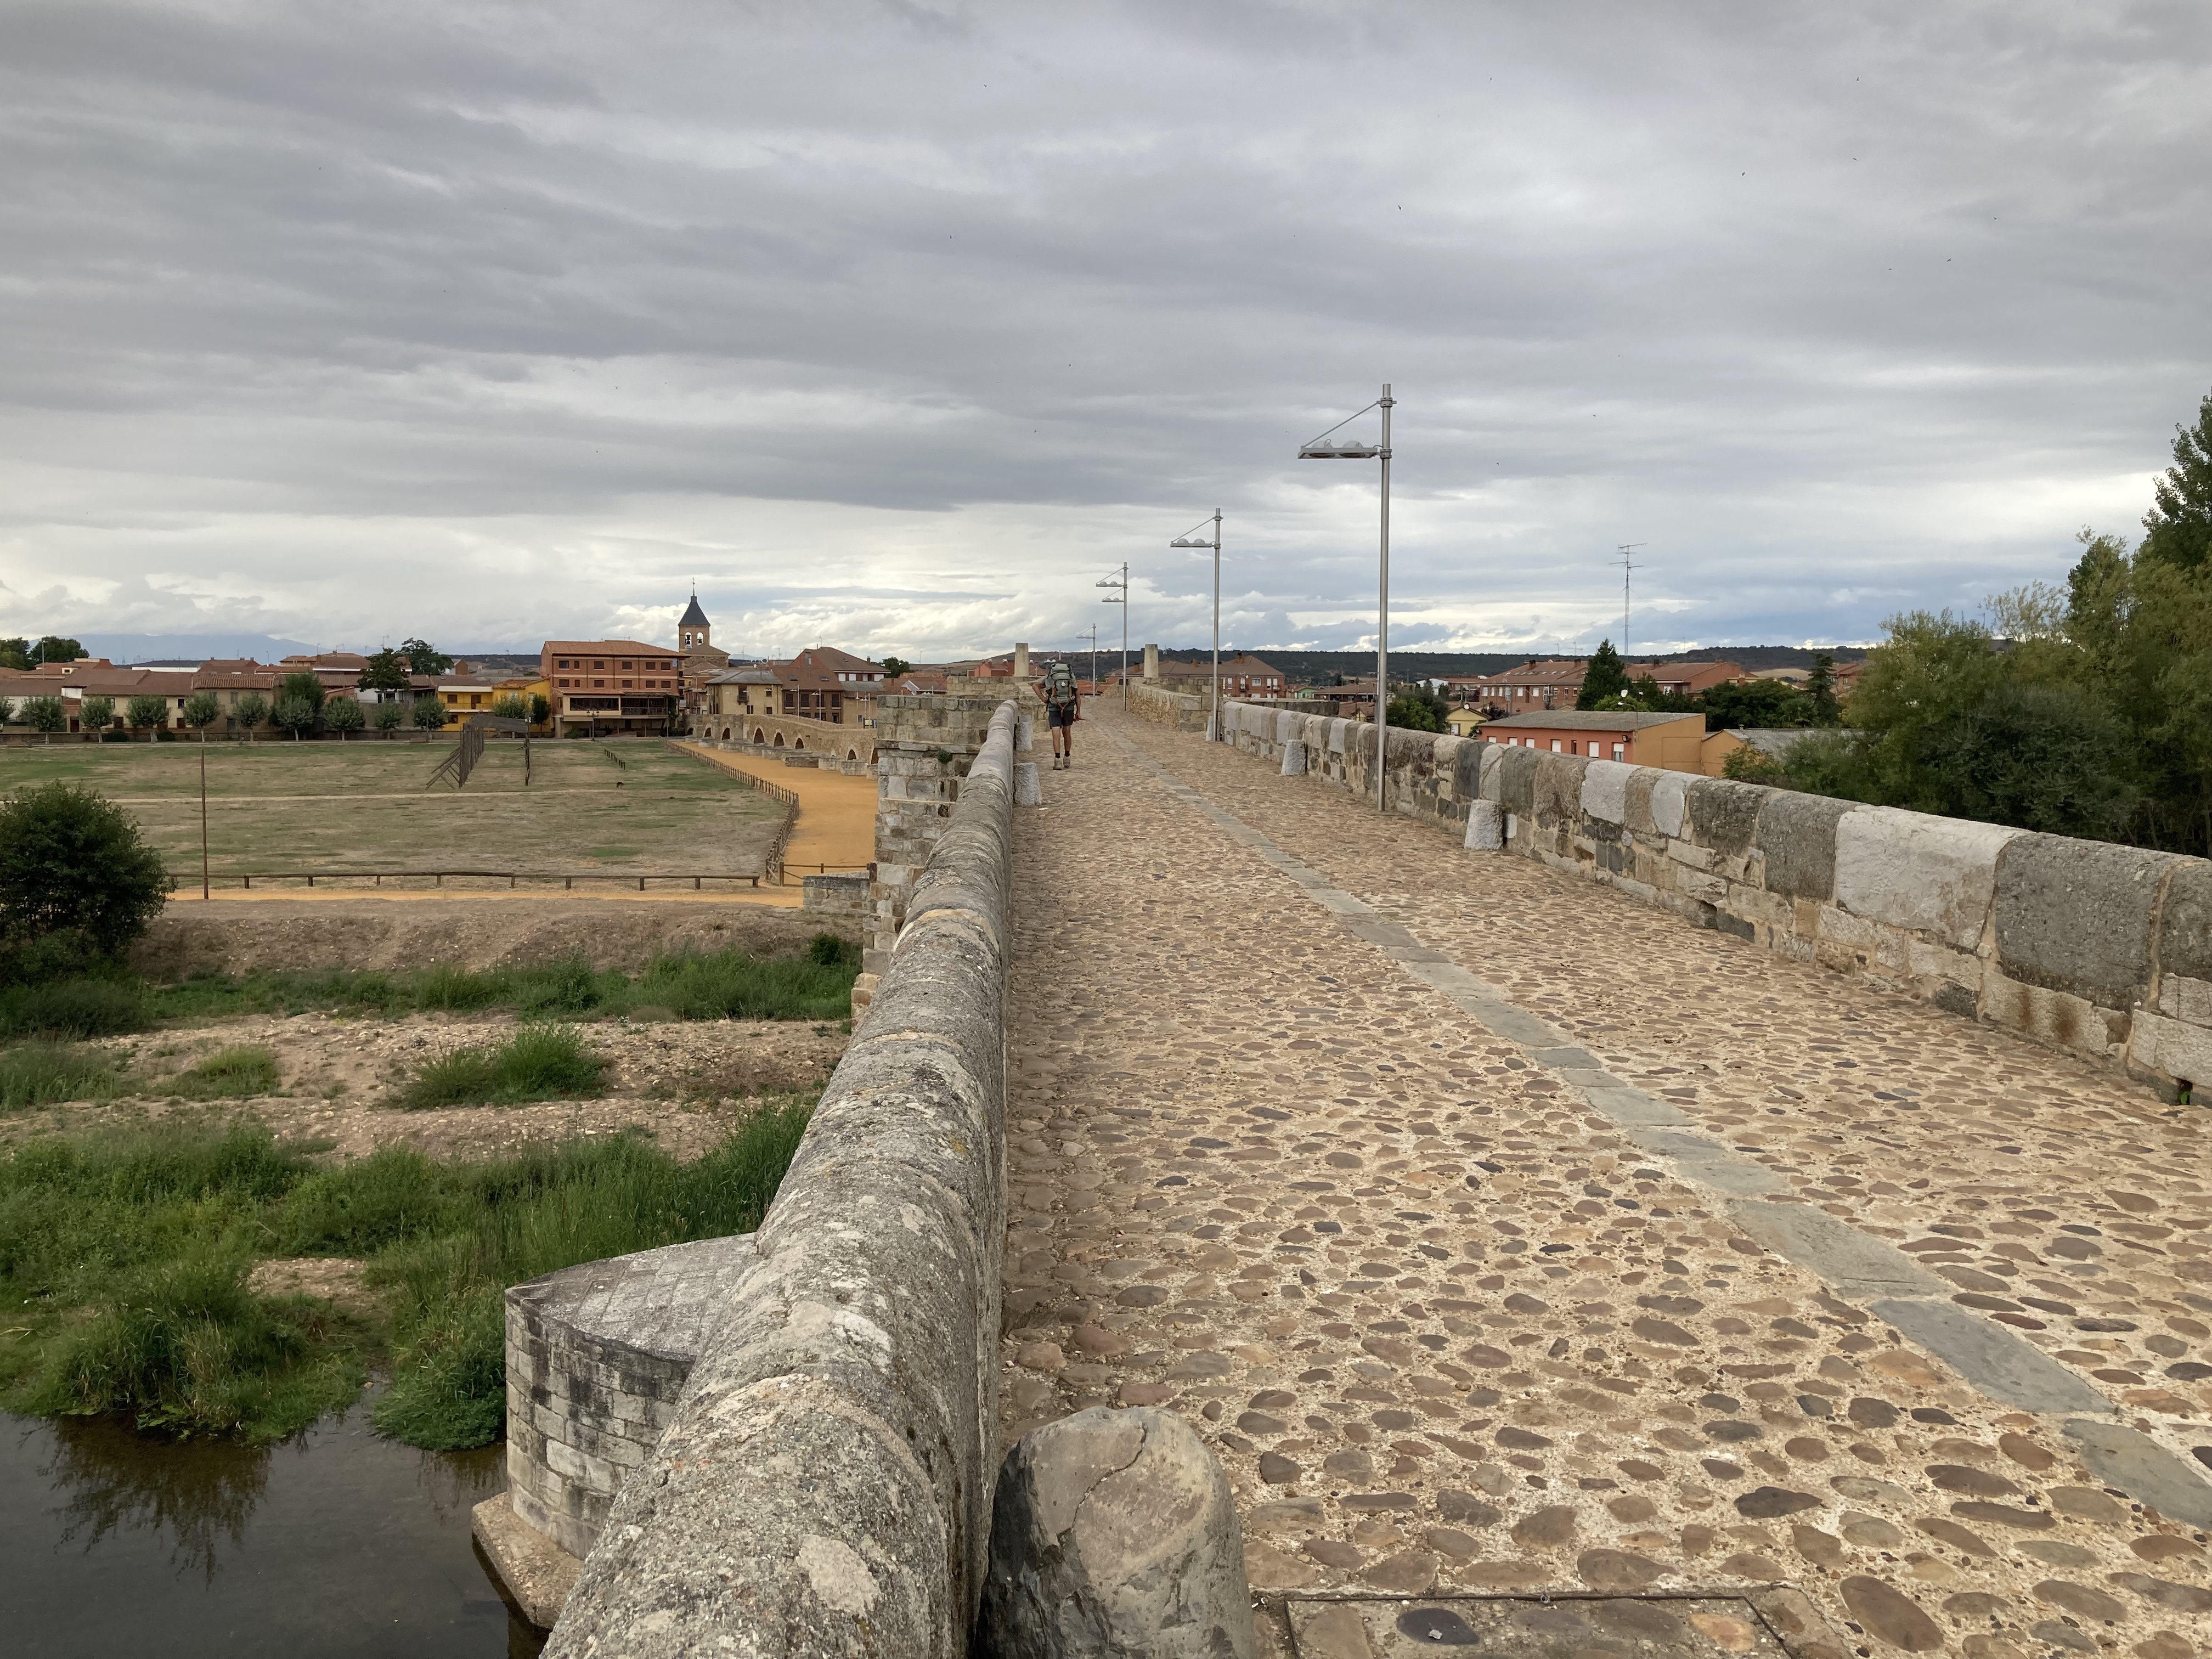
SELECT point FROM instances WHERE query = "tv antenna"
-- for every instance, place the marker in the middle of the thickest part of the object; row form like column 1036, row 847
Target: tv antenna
column 1627, row 564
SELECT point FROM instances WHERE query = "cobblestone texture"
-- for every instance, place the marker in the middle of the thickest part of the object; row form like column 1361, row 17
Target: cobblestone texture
column 1451, row 1328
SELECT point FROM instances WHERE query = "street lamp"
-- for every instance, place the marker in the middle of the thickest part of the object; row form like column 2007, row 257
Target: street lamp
column 1323, row 448
column 1121, row 598
column 1191, row 538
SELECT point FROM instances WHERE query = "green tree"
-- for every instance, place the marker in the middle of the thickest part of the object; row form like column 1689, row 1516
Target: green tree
column 47, row 715
column 202, row 710
column 1756, row 703
column 69, row 860
column 54, row 647
column 425, row 658
column 341, row 716
column 96, row 713
column 2037, row 757
column 296, row 715
column 1417, row 709
column 1604, row 680
column 511, row 706
column 1821, row 690
column 15, row 653
column 2179, row 523
column 387, row 670
column 7, row 711
column 145, row 712
column 249, row 711
column 387, row 718
column 428, row 713
column 305, row 686
column 541, row 708
column 895, row 667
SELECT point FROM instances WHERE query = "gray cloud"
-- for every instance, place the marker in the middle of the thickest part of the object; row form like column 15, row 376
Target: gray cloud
column 896, row 324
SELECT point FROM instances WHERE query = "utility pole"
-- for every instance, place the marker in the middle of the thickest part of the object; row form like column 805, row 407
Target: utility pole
column 1627, row 564
column 1094, row 659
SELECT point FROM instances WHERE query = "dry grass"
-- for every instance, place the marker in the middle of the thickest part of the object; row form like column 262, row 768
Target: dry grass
column 626, row 806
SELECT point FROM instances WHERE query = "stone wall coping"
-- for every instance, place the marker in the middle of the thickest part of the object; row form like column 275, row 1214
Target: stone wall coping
column 831, row 1466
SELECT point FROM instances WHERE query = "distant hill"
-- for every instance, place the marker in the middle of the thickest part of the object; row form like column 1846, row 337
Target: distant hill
column 189, row 648
column 1315, row 667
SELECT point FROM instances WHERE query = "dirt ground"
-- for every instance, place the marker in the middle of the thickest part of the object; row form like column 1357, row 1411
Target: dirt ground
column 467, row 933
column 684, row 1082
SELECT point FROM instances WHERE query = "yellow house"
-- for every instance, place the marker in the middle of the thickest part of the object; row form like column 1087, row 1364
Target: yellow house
column 1463, row 722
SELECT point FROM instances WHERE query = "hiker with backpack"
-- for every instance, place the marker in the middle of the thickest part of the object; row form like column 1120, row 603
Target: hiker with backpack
column 1063, row 707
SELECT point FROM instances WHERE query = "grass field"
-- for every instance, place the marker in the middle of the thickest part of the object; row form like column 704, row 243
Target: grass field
column 633, row 807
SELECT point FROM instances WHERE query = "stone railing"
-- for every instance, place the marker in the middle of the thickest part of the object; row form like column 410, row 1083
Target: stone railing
column 1149, row 701
column 2102, row 950
column 825, row 1486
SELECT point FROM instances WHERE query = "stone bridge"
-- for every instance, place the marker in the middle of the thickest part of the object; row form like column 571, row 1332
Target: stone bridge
column 1660, row 1215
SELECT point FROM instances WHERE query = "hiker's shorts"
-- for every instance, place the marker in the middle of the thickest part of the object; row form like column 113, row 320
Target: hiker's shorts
column 1055, row 716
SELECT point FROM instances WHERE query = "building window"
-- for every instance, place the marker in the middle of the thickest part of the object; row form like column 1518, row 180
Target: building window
column 1620, row 751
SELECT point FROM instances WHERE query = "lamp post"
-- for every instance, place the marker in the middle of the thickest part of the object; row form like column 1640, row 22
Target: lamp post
column 1121, row 598
column 1191, row 538
column 1323, row 449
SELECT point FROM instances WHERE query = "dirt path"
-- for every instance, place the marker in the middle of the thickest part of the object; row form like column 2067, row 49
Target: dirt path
column 1317, row 1135
column 836, row 824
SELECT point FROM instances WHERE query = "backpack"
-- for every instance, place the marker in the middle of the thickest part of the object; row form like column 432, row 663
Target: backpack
column 1060, row 685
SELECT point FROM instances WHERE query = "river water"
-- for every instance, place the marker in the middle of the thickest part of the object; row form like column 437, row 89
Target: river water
column 334, row 1544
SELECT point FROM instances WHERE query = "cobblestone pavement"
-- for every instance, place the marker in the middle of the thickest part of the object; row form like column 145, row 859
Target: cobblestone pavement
column 1454, row 1325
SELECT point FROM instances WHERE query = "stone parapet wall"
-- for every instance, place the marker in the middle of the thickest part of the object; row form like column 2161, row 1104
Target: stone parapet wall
column 2104, row 950
column 1148, row 702
column 825, row 1486
column 924, row 747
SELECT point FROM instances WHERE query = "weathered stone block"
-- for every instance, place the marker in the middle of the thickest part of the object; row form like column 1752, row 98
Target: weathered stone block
column 2075, row 916
column 2058, row 1017
column 2185, row 928
column 1910, row 869
column 1114, row 1535
column 1798, row 834
column 1670, row 805
column 1556, row 800
column 1029, row 789
column 1485, row 828
column 1723, row 814
column 2170, row 1048
column 1604, row 790
column 1294, row 760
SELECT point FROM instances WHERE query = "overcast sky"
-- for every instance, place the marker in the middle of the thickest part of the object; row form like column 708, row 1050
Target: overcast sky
column 897, row 324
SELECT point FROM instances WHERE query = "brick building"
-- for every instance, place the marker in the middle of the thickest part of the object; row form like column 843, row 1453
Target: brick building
column 611, row 686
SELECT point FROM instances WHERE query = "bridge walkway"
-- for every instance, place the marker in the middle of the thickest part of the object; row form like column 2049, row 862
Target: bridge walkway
column 1502, row 1233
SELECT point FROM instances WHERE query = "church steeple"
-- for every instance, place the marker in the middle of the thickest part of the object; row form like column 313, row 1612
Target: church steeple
column 694, row 630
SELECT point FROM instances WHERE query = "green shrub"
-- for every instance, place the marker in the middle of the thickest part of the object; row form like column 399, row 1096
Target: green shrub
column 231, row 1074
column 539, row 1062
column 828, row 950
column 39, row 1073
column 81, row 1007
column 731, row 985
column 67, row 859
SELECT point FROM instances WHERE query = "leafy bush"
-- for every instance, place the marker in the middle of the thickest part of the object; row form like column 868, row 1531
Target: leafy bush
column 428, row 713
column 46, row 716
column 67, row 859
column 39, row 1074
column 828, row 950
column 201, row 709
column 388, row 717
column 96, row 713
column 539, row 1062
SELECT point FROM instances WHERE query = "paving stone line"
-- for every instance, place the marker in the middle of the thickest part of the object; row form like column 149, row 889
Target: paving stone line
column 1859, row 1265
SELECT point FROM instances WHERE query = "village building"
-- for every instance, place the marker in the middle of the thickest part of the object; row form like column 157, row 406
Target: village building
column 611, row 687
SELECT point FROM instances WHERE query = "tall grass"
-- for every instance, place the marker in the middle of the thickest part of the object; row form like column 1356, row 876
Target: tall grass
column 539, row 1062
column 38, row 1073
column 125, row 1256
column 88, row 1006
column 229, row 1074
column 731, row 984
